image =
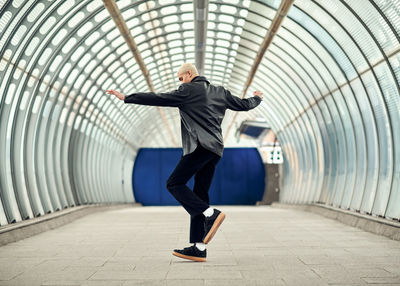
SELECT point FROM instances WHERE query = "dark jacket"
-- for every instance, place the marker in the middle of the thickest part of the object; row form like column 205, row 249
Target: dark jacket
column 202, row 107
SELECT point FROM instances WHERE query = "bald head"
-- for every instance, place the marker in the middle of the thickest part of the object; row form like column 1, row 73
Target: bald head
column 187, row 72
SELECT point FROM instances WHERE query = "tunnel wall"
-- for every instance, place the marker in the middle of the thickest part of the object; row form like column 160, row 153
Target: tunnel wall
column 334, row 71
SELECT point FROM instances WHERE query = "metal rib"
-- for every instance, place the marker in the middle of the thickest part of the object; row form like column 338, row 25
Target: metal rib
column 200, row 32
column 275, row 24
column 115, row 13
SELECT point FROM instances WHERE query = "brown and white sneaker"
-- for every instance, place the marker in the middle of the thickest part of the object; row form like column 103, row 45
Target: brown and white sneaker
column 191, row 253
column 211, row 225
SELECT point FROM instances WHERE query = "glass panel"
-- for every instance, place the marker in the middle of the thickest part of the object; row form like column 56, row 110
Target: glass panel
column 341, row 152
column 35, row 12
column 372, row 156
column 19, row 34
column 393, row 210
column 376, row 24
column 65, row 7
column 324, row 38
column 390, row 129
column 46, row 26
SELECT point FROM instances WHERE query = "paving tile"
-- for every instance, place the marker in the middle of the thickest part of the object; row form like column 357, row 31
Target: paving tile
column 102, row 283
column 62, row 283
column 123, row 260
column 129, row 275
column 273, row 281
column 368, row 272
column 258, row 275
column 245, row 259
column 117, row 267
column 237, row 282
column 300, row 277
column 147, row 282
column 336, row 274
column 355, row 284
column 285, row 262
column 188, row 282
column 205, row 273
column 385, row 280
column 278, row 251
column 38, row 278
column 394, row 269
column 11, row 267
column 294, row 281
column 317, row 259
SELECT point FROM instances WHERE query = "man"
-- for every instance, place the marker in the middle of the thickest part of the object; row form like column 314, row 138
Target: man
column 202, row 107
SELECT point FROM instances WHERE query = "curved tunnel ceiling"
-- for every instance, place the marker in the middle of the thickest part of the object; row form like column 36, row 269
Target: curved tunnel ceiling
column 330, row 80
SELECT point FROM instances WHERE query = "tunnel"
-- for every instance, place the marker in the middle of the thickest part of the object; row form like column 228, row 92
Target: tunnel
column 329, row 72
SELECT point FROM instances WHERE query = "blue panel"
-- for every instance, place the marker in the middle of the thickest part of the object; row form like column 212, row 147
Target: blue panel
column 147, row 177
column 238, row 178
column 234, row 174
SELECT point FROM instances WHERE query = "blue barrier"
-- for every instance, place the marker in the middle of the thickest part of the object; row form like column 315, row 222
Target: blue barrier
column 238, row 179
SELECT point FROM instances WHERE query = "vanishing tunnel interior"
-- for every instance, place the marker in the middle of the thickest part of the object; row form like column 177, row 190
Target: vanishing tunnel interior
column 329, row 71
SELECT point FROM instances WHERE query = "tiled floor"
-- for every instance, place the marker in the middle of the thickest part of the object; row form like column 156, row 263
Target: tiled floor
column 254, row 246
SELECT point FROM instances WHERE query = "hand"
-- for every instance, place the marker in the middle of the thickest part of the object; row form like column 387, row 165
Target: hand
column 121, row 96
column 258, row 93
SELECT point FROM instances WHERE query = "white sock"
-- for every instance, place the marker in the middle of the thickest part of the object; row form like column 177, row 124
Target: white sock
column 200, row 246
column 209, row 212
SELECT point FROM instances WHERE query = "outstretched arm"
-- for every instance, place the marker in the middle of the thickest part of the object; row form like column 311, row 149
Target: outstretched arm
column 118, row 94
column 174, row 98
column 238, row 104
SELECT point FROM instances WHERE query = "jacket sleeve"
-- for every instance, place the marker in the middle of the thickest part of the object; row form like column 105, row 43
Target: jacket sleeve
column 174, row 98
column 238, row 104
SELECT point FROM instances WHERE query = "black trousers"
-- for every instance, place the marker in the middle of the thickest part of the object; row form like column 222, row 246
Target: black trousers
column 201, row 163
